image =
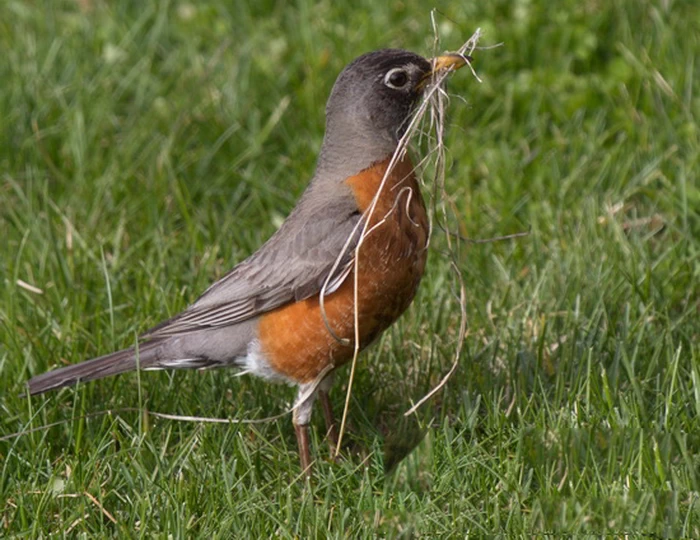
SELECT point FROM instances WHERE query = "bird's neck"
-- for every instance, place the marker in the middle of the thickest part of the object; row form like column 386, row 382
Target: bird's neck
column 346, row 151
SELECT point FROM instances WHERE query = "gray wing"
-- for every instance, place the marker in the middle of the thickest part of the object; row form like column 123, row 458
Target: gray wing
column 292, row 265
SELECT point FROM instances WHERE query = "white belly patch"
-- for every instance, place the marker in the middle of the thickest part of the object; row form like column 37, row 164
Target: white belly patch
column 256, row 364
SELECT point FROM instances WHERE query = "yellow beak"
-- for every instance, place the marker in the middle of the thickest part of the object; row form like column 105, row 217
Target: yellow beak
column 446, row 62
column 449, row 61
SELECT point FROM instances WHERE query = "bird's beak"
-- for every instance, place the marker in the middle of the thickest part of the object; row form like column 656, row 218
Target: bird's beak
column 449, row 61
column 446, row 62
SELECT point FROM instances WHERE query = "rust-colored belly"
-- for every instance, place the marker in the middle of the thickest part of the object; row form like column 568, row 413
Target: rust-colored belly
column 391, row 262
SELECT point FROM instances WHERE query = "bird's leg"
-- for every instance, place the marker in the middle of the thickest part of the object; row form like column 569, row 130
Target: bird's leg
column 331, row 429
column 302, row 432
column 301, row 418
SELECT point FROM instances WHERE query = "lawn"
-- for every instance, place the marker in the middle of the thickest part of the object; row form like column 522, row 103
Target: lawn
column 147, row 147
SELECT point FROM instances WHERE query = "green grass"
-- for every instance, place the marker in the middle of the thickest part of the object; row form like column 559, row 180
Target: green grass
column 145, row 148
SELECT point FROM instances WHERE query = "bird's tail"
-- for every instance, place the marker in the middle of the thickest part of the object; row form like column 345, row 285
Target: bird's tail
column 97, row 368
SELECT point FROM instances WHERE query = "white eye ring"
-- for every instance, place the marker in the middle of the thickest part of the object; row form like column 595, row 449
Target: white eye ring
column 400, row 78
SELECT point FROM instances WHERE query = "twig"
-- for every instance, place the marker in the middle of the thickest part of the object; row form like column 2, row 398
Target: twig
column 485, row 240
column 458, row 350
column 102, row 508
column 431, row 100
column 165, row 416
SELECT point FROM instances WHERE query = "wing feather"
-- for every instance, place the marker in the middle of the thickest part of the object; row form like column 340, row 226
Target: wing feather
column 291, row 266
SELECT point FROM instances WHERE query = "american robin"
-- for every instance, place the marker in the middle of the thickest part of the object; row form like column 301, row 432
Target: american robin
column 287, row 313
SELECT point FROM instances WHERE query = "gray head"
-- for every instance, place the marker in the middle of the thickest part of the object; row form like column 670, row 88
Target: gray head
column 370, row 107
column 375, row 94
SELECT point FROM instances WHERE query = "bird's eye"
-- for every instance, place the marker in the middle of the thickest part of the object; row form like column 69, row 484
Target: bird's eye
column 396, row 78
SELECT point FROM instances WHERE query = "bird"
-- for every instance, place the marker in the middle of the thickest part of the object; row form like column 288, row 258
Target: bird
column 287, row 313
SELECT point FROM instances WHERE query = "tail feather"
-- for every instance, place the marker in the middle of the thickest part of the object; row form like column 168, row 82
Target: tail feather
column 187, row 350
column 97, row 368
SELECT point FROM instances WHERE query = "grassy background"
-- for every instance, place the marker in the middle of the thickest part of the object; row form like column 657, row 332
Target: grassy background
column 145, row 148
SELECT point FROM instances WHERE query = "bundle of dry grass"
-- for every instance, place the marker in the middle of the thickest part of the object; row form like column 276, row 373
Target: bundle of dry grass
column 431, row 111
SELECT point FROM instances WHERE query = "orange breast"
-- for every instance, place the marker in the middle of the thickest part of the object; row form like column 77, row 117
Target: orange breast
column 391, row 261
